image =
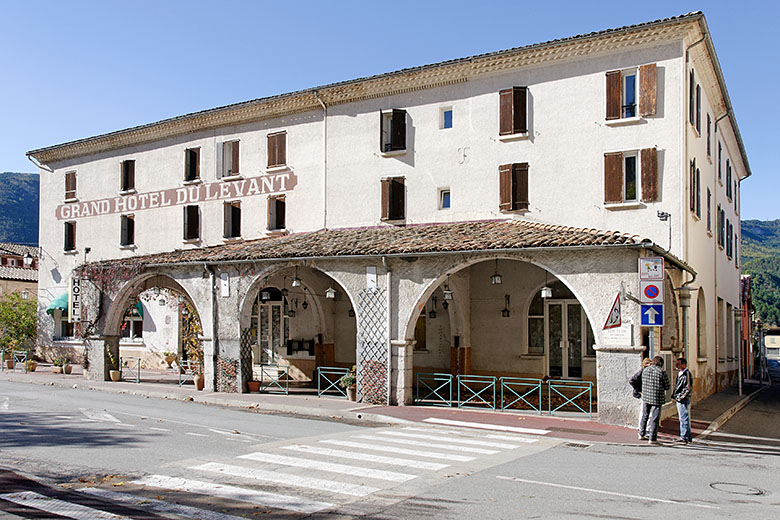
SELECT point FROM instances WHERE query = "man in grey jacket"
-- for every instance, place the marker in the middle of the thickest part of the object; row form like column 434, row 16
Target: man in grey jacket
column 655, row 383
column 682, row 394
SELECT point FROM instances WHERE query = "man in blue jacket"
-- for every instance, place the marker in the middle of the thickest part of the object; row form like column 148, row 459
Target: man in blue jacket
column 655, row 383
column 682, row 394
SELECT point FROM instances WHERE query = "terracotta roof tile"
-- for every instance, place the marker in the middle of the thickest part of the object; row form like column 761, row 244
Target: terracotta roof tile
column 18, row 273
column 393, row 240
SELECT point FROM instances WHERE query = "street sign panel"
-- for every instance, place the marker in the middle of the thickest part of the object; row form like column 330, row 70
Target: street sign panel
column 652, row 315
column 651, row 268
column 614, row 319
column 651, row 292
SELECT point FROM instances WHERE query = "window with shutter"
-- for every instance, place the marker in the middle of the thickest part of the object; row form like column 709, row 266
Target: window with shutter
column 614, row 94
column 70, row 186
column 650, row 191
column 70, row 236
column 692, row 98
column 128, row 175
column 698, row 109
column 228, row 159
column 648, row 76
column 709, row 211
column 613, row 177
column 728, row 179
column 709, row 136
column 191, row 223
column 127, row 233
column 192, row 164
column 698, row 193
column 513, row 111
column 513, row 187
column 392, row 131
column 277, row 209
column 277, row 149
column 232, row 219
column 393, row 198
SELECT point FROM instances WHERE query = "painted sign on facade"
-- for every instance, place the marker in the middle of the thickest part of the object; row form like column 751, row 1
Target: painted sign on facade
column 222, row 190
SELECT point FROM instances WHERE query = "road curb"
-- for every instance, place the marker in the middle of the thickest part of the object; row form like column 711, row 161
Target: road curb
column 728, row 414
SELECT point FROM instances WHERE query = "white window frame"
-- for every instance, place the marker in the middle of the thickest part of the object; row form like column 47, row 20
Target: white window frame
column 625, row 73
column 223, row 171
column 442, row 111
column 442, row 192
column 638, row 167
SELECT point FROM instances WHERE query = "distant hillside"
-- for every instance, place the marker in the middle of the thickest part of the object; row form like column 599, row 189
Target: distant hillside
column 19, row 208
column 761, row 259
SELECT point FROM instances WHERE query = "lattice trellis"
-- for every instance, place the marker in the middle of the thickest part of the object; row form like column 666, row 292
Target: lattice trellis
column 227, row 380
column 372, row 368
column 246, row 356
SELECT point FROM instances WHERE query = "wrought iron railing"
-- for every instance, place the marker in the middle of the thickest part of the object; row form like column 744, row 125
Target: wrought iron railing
column 328, row 379
column 130, row 369
column 187, row 370
column 477, row 391
column 569, row 392
column 274, row 378
column 520, row 393
column 434, row 389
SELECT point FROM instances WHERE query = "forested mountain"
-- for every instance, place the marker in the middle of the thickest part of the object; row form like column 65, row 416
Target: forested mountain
column 19, row 208
column 761, row 260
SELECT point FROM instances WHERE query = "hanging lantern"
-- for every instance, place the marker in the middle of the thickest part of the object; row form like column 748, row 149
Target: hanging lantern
column 496, row 279
column 447, row 292
column 290, row 313
column 330, row 293
column 445, row 305
column 505, row 311
column 546, row 291
column 305, row 304
column 296, row 282
column 432, row 314
column 265, row 295
column 284, row 287
column 351, row 313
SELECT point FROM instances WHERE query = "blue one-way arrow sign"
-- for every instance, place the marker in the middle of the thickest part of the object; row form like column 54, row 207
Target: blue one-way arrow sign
column 652, row 315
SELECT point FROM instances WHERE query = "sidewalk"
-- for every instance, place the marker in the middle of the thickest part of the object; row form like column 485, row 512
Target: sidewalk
column 708, row 414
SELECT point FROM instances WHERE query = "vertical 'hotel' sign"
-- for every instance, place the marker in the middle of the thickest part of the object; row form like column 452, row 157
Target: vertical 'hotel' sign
column 74, row 300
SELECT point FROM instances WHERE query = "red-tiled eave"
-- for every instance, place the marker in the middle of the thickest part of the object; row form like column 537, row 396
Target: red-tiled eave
column 395, row 240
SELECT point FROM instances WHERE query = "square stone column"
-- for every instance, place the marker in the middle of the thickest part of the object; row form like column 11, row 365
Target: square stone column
column 402, row 372
column 95, row 350
column 614, row 367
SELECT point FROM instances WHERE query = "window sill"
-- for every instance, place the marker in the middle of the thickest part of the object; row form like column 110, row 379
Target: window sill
column 278, row 232
column 513, row 137
column 275, row 169
column 625, row 121
column 129, row 247
column 236, row 177
column 191, row 241
column 131, row 191
column 532, row 356
column 394, row 221
column 701, row 359
column 72, row 252
column 617, row 206
column 132, row 342
column 393, row 153
column 68, row 341
column 68, row 201
column 231, row 240
column 190, row 183
column 518, row 210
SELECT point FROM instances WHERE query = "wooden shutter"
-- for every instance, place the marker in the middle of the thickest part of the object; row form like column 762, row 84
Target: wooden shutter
column 398, row 130
column 70, row 185
column 613, row 177
column 505, row 187
column 698, row 109
column 281, row 149
column 520, row 116
column 692, row 99
column 234, row 163
column 385, row 199
column 220, row 159
column 227, row 220
column 649, row 158
column 123, row 231
column 381, row 132
column 648, row 89
column 520, row 186
column 397, row 198
column 614, row 94
column 505, row 111
column 128, row 175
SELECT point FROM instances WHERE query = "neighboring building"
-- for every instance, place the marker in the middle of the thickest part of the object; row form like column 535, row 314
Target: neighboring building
column 436, row 219
column 18, row 270
column 772, row 342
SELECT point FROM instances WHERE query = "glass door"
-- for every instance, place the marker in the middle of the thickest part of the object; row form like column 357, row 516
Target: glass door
column 555, row 339
column 564, row 325
column 269, row 332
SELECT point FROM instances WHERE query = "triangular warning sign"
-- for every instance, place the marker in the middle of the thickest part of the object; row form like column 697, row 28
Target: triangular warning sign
column 614, row 318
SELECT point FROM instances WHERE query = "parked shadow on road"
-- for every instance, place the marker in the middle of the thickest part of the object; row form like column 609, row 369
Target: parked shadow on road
column 41, row 429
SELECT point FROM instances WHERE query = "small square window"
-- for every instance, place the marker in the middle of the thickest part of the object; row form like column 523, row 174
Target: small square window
column 446, row 118
column 444, row 199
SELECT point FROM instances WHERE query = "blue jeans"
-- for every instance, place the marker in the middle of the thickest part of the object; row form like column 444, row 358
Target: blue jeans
column 648, row 424
column 684, row 413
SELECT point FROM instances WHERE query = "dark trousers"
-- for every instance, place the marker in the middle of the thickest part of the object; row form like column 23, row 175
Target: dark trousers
column 648, row 424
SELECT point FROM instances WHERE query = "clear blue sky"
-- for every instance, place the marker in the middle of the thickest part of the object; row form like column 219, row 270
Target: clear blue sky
column 71, row 69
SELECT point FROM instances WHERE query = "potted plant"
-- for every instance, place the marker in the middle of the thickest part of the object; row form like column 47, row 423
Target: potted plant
column 66, row 366
column 113, row 366
column 31, row 365
column 253, row 386
column 56, row 365
column 349, row 382
column 169, row 357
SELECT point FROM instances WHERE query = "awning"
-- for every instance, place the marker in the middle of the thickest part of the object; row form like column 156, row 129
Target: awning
column 60, row 302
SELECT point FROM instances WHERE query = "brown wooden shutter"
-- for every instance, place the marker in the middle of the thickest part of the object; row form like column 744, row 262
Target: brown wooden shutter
column 649, row 175
column 271, row 144
column 70, row 185
column 385, row 199
column 123, row 231
column 505, row 187
column 130, row 178
column 520, row 117
column 281, row 149
column 613, row 177
column 381, row 132
column 648, row 89
column 398, row 130
column 197, row 162
column 614, row 94
column 520, row 186
column 505, row 111
column 235, row 169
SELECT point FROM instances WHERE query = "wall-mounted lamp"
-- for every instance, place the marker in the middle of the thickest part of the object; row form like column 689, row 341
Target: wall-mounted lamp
column 285, row 292
column 505, row 310
column 351, row 313
column 28, row 259
column 496, row 279
column 296, row 282
column 330, row 293
column 447, row 292
column 265, row 295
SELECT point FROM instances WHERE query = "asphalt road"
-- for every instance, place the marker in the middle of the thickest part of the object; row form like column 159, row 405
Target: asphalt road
column 95, row 455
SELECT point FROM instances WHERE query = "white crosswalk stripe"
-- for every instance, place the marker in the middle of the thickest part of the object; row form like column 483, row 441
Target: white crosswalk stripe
column 252, row 496
column 331, row 467
column 158, row 506
column 444, row 438
column 435, row 445
column 285, row 479
column 485, row 426
column 395, row 449
column 367, row 457
column 58, row 507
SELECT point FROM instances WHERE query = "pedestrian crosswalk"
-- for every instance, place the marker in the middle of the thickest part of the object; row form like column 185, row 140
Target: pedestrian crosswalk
column 304, row 476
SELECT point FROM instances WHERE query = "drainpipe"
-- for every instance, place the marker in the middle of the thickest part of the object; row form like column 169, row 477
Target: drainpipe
column 324, row 161
column 389, row 275
column 214, row 340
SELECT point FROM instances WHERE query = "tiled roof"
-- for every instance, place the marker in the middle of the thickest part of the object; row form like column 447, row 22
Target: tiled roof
column 18, row 249
column 396, row 240
column 18, row 273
